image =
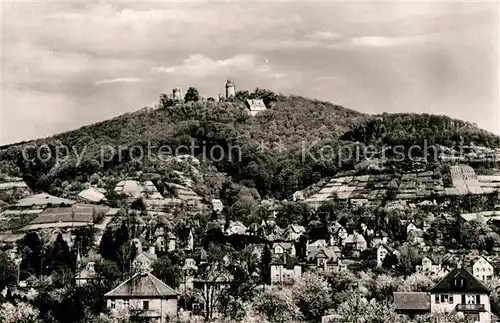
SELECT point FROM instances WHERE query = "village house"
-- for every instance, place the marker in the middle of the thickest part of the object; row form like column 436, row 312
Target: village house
column 190, row 240
column 411, row 227
column 338, row 231
column 460, row 291
column 412, row 303
column 293, row 232
column 236, row 227
column 324, row 258
column 431, row 265
column 280, row 248
column 356, row 241
column 285, row 269
column 416, row 237
column 145, row 296
column 255, row 106
column 86, row 268
column 380, row 237
column 144, row 259
column 382, row 252
column 172, row 241
column 274, row 234
column 189, row 270
column 318, row 243
column 482, row 269
column 217, row 205
column 270, row 212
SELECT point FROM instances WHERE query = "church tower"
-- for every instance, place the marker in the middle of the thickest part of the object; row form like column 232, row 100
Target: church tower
column 230, row 90
column 177, row 94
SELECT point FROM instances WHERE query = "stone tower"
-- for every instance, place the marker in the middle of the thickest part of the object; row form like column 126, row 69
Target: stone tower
column 229, row 89
column 177, row 94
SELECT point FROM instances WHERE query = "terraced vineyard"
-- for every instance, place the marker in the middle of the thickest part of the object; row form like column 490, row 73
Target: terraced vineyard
column 419, row 185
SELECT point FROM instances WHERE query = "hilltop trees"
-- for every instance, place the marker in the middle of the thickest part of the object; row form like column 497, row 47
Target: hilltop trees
column 192, row 95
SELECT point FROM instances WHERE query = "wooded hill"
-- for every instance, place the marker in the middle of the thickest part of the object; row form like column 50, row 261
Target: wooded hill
column 271, row 143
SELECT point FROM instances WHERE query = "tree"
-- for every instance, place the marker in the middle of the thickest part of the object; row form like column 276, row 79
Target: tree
column 241, row 95
column 416, row 283
column 121, row 236
column 312, row 296
column 60, row 257
column 109, row 271
column 265, row 265
column 31, row 249
column 392, row 189
column 368, row 259
column 21, row 312
column 408, row 259
column 328, row 210
column 266, row 95
column 125, row 256
column 84, row 240
column 166, row 101
column 8, row 271
column 192, row 95
column 277, row 305
column 383, row 287
column 167, row 272
column 358, row 309
column 107, row 246
column 293, row 213
column 494, row 286
column 138, row 204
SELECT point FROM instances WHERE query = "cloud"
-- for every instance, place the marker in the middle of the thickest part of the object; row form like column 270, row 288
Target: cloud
column 199, row 66
column 55, row 53
column 381, row 41
column 324, row 35
column 119, row 80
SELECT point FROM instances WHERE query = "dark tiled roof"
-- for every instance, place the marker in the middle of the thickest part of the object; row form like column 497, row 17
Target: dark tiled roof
column 326, row 252
column 143, row 285
column 470, row 285
column 285, row 260
column 412, row 301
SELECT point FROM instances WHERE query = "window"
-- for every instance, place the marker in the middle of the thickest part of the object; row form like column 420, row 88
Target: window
column 436, row 299
column 145, row 305
column 113, row 303
column 459, row 282
column 126, row 303
column 444, row 298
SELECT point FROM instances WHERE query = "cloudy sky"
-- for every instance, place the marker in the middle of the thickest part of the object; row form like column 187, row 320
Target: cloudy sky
column 67, row 64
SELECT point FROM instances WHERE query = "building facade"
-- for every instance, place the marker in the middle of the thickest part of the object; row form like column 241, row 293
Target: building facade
column 482, row 269
column 461, row 292
column 144, row 296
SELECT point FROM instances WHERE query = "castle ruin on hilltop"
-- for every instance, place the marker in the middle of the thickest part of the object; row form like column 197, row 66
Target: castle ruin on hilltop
column 229, row 86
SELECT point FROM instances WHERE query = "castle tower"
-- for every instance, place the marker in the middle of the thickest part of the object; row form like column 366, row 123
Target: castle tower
column 229, row 89
column 177, row 94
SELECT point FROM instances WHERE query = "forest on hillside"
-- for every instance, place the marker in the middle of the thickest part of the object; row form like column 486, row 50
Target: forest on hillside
column 270, row 145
